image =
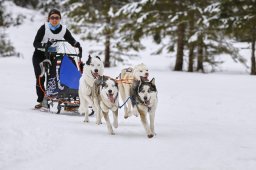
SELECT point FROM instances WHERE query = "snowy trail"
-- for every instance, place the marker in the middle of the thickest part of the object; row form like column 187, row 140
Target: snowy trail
column 200, row 124
column 203, row 121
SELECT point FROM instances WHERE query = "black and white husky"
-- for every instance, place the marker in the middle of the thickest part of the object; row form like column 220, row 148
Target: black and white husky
column 128, row 76
column 92, row 70
column 106, row 95
column 144, row 98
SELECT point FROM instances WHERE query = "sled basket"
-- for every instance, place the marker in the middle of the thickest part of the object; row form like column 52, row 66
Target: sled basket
column 62, row 76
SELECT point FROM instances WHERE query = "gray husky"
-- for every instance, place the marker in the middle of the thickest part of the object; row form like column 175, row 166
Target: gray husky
column 144, row 98
column 105, row 94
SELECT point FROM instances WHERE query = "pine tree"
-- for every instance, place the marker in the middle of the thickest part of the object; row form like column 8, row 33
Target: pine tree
column 27, row 3
column 48, row 5
column 200, row 32
column 96, row 21
column 191, row 25
column 161, row 19
column 150, row 18
column 238, row 18
column 2, row 22
column 6, row 49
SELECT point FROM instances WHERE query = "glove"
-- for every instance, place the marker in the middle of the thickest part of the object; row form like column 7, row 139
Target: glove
column 81, row 66
column 48, row 44
column 77, row 44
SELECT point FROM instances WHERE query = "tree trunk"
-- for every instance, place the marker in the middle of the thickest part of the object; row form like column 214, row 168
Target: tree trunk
column 191, row 45
column 253, row 64
column 200, row 56
column 107, row 44
column 180, row 47
column 191, row 58
column 107, row 51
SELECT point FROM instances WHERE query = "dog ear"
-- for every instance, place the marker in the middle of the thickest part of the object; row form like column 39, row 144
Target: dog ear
column 153, row 81
column 88, row 62
column 98, row 57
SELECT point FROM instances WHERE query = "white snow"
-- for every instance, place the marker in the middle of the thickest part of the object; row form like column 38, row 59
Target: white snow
column 203, row 121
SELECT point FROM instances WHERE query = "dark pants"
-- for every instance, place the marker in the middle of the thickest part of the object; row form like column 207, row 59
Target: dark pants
column 38, row 57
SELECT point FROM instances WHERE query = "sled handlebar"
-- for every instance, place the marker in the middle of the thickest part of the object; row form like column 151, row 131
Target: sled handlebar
column 80, row 52
column 56, row 53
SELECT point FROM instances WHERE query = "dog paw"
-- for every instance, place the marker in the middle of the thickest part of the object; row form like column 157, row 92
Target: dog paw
column 136, row 114
column 98, row 122
column 115, row 125
column 130, row 113
column 86, row 121
column 150, row 136
column 127, row 114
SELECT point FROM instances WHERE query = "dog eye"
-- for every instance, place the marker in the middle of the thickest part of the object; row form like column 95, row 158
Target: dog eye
column 149, row 91
column 143, row 91
column 141, row 71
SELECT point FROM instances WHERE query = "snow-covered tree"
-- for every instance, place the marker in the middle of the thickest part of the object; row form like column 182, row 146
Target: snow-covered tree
column 47, row 5
column 43, row 5
column 27, row 3
column 96, row 21
column 6, row 48
column 160, row 19
column 239, row 20
column 186, row 26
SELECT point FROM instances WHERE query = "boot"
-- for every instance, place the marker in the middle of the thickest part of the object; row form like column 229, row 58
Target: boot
column 38, row 106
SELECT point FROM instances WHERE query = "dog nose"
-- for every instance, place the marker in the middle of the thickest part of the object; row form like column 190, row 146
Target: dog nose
column 145, row 98
column 96, row 70
column 109, row 91
column 146, row 74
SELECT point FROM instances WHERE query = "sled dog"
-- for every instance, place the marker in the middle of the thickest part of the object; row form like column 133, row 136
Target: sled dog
column 93, row 69
column 144, row 98
column 127, row 78
column 106, row 94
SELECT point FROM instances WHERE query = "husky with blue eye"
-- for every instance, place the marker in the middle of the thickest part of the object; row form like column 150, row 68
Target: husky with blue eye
column 144, row 98
column 92, row 70
column 106, row 95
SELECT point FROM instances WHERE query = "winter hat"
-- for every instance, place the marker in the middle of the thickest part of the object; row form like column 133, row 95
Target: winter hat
column 54, row 11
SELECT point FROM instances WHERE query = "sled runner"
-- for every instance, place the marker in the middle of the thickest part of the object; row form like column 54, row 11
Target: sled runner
column 62, row 72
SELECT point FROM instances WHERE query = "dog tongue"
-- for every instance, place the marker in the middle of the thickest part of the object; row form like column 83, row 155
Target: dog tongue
column 95, row 75
column 145, row 78
column 111, row 98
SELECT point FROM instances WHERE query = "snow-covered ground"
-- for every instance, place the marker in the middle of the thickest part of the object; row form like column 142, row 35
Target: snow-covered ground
column 203, row 121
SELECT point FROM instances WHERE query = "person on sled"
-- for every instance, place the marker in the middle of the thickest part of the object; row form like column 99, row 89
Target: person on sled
column 51, row 30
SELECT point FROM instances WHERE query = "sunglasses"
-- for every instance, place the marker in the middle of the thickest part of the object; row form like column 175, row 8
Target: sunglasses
column 56, row 18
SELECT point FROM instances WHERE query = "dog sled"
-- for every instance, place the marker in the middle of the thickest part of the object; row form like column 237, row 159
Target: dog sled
column 62, row 72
